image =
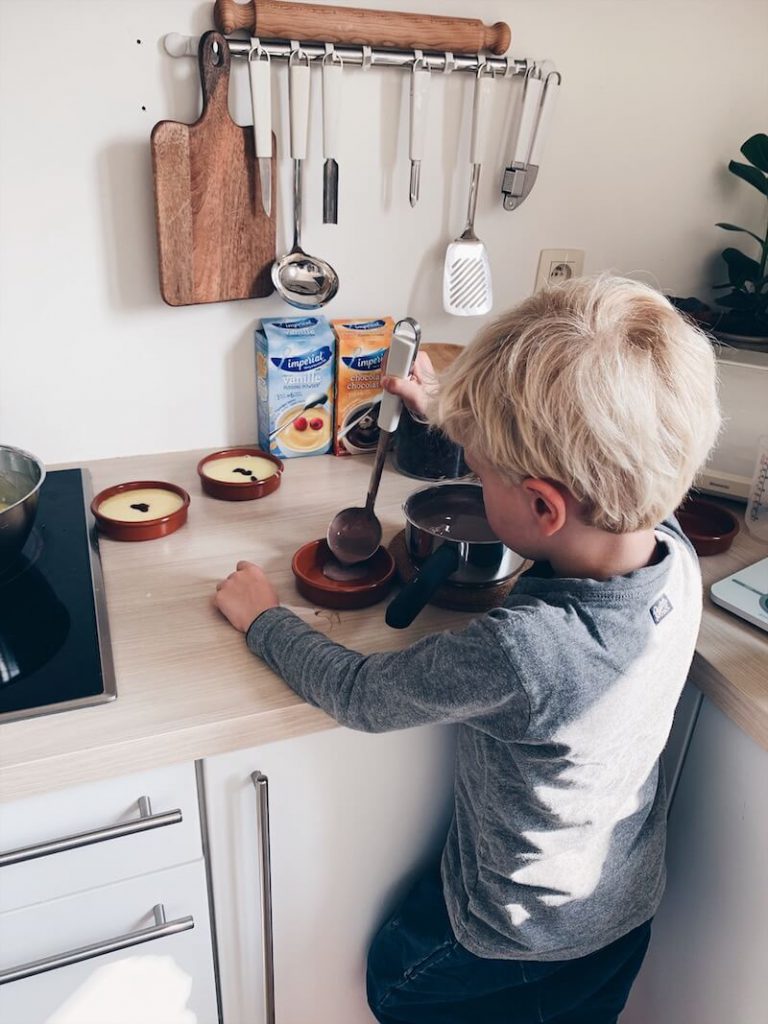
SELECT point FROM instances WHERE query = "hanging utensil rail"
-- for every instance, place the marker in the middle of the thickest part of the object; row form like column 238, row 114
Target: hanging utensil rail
column 178, row 45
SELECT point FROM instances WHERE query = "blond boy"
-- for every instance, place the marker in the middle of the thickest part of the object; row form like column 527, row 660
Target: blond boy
column 585, row 412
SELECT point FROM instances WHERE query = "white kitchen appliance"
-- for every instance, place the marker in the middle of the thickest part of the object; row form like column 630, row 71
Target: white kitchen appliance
column 743, row 391
column 745, row 593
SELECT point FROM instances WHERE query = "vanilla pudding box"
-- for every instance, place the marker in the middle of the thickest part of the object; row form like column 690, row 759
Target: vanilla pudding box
column 294, row 385
column 361, row 345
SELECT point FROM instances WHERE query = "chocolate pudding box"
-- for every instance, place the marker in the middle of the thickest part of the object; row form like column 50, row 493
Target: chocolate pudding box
column 361, row 345
column 294, row 385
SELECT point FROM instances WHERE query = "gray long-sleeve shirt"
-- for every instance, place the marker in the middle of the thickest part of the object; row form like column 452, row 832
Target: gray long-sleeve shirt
column 564, row 699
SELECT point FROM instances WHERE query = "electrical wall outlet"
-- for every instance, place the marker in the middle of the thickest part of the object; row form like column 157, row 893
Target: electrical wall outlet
column 558, row 265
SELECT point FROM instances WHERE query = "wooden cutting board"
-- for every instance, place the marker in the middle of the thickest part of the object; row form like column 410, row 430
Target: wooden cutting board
column 215, row 242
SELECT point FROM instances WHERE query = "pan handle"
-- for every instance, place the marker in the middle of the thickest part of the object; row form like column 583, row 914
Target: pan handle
column 409, row 602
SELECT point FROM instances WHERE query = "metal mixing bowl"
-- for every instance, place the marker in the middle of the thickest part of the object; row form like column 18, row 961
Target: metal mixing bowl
column 21, row 477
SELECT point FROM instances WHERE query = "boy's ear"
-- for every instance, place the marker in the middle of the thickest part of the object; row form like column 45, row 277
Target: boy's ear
column 548, row 505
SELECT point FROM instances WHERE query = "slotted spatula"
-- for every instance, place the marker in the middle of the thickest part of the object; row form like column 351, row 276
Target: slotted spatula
column 467, row 289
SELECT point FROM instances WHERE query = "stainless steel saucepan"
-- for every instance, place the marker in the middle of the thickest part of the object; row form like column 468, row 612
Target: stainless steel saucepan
column 449, row 538
column 21, row 477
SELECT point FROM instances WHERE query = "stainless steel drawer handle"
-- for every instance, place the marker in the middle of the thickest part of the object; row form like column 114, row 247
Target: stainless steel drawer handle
column 261, row 784
column 159, row 930
column 146, row 821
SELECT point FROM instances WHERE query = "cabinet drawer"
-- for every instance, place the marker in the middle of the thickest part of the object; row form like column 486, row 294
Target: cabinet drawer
column 76, row 839
column 166, row 978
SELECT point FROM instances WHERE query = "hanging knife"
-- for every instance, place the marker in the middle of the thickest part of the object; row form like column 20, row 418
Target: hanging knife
column 261, row 100
column 332, row 67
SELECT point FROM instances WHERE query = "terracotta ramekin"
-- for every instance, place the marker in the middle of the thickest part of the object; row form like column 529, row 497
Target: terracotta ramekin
column 709, row 527
column 148, row 529
column 240, row 490
column 308, row 565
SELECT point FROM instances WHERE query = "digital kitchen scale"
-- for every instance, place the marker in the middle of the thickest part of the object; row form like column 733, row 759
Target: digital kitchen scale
column 745, row 593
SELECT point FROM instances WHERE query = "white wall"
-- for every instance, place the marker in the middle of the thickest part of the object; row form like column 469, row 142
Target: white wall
column 657, row 96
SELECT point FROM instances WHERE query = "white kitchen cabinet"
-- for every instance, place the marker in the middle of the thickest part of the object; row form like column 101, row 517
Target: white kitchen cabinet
column 70, row 840
column 706, row 963
column 165, row 980
column 104, row 914
column 353, row 818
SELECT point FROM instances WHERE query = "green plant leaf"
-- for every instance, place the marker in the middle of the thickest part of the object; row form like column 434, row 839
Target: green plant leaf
column 755, row 149
column 751, row 174
column 733, row 227
column 740, row 267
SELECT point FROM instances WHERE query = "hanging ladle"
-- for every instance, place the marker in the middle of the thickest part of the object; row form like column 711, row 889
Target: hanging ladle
column 355, row 533
column 306, row 282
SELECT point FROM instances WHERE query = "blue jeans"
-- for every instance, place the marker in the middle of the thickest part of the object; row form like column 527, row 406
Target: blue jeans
column 419, row 973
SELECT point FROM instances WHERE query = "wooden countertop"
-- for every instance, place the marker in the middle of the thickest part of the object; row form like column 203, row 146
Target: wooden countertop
column 187, row 685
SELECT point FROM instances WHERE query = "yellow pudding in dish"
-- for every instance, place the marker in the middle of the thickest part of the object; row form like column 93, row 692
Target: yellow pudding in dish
column 140, row 505
column 304, row 430
column 4, row 505
column 239, row 469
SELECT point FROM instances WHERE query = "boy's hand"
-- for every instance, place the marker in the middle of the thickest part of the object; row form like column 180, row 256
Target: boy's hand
column 417, row 389
column 244, row 595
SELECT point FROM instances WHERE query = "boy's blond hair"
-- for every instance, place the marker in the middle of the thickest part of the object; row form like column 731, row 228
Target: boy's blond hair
column 599, row 385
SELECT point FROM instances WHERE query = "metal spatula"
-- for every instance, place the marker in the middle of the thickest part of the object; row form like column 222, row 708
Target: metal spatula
column 467, row 289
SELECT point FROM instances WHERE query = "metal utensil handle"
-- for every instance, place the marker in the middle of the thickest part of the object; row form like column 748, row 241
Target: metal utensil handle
column 481, row 114
column 331, row 107
column 261, row 100
column 146, row 821
column 261, row 785
column 528, row 118
column 551, row 91
column 385, row 437
column 298, row 95
column 296, row 207
column 160, row 930
column 469, row 227
column 420, row 76
column 298, row 102
column 402, row 351
column 481, row 110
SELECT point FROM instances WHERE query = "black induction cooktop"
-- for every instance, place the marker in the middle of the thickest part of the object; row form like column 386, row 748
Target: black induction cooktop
column 54, row 639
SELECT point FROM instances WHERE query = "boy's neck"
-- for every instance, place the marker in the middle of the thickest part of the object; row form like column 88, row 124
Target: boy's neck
column 599, row 555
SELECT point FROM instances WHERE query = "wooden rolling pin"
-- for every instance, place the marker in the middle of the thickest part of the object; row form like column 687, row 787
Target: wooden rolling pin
column 276, row 19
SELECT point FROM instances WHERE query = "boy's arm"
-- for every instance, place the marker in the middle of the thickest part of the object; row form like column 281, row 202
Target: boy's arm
column 446, row 677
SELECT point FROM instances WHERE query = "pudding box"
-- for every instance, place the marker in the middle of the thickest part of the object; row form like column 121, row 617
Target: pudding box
column 294, row 385
column 361, row 345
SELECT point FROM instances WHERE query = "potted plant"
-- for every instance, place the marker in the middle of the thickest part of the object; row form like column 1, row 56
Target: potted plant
column 746, row 301
column 744, row 316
